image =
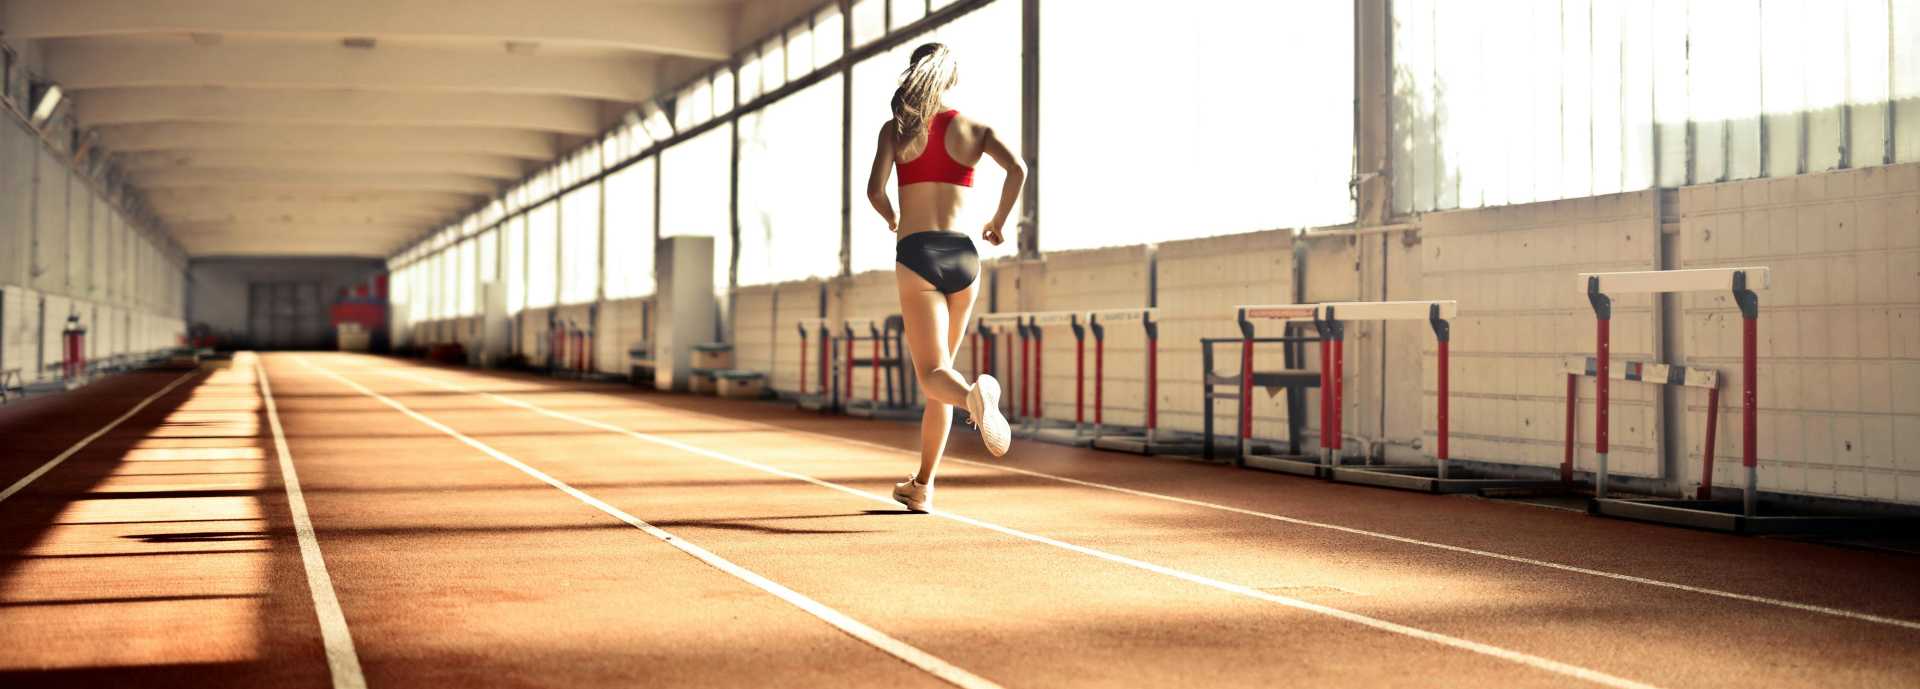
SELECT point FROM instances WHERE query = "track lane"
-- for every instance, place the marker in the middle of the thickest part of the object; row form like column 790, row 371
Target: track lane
column 453, row 567
column 1599, row 621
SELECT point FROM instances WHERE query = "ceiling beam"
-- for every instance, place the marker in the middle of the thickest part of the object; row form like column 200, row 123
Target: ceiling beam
column 491, row 167
column 303, row 214
column 292, row 230
column 690, row 31
column 316, row 246
column 161, row 199
column 183, row 136
column 248, row 179
column 85, row 65
column 106, row 107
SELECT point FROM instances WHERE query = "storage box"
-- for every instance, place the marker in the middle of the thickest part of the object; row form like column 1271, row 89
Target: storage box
column 702, row 382
column 745, row 385
column 713, row 355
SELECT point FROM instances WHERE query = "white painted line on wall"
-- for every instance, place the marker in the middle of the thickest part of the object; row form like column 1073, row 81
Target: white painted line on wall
column 27, row 480
column 343, row 662
column 1528, row 660
column 905, row 652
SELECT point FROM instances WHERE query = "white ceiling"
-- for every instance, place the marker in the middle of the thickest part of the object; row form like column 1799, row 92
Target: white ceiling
column 253, row 127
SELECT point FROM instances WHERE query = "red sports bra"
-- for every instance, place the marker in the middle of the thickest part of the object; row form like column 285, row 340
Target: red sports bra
column 934, row 164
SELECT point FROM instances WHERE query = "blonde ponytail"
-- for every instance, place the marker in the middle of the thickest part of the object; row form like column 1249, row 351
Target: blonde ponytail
column 930, row 73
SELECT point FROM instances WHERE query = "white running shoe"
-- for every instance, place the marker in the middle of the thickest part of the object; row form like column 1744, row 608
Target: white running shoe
column 983, row 408
column 915, row 496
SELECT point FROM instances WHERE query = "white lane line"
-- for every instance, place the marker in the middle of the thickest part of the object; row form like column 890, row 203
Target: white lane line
column 343, row 662
column 1529, row 660
column 901, row 650
column 24, row 481
column 1615, row 576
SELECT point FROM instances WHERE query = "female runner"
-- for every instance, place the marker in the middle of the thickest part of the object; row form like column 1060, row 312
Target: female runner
column 936, row 267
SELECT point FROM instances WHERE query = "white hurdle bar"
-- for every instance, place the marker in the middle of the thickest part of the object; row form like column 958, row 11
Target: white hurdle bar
column 1742, row 282
column 1097, row 322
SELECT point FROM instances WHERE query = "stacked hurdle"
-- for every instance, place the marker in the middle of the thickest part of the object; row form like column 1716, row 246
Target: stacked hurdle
column 818, row 359
column 997, row 332
column 1036, row 425
column 886, row 360
column 1742, row 283
column 1147, row 439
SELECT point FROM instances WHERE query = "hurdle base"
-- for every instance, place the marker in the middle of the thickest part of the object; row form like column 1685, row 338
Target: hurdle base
column 1137, row 443
column 1283, row 464
column 1058, row 435
column 1725, row 516
column 819, row 403
column 1426, row 479
column 869, row 410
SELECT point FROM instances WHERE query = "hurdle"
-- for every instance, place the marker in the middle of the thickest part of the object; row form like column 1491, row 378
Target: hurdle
column 825, row 399
column 1145, row 439
column 1444, row 475
column 1742, row 283
column 1294, row 379
column 1641, row 372
column 1037, row 423
column 886, row 358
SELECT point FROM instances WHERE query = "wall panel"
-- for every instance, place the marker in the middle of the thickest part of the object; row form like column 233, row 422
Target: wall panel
column 1839, row 338
column 1513, row 271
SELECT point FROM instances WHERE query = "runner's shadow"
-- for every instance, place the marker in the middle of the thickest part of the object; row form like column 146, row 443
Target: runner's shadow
column 888, row 513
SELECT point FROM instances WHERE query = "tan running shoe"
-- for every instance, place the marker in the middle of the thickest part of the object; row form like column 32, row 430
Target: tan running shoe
column 983, row 409
column 916, row 496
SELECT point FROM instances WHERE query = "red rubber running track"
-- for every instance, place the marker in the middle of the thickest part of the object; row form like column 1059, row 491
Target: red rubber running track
column 464, row 528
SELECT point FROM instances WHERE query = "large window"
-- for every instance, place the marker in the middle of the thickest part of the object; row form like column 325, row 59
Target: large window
column 1244, row 111
column 985, row 45
column 543, row 255
column 466, row 278
column 630, row 204
column 695, row 179
column 513, row 263
column 790, row 187
column 580, row 244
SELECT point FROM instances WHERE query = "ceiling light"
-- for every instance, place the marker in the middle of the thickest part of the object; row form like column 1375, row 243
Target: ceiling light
column 46, row 102
column 359, row 42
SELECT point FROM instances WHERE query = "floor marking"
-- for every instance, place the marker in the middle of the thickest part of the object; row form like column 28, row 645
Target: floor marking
column 1529, row 660
column 343, row 662
column 84, row 442
column 1629, row 578
column 905, row 652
